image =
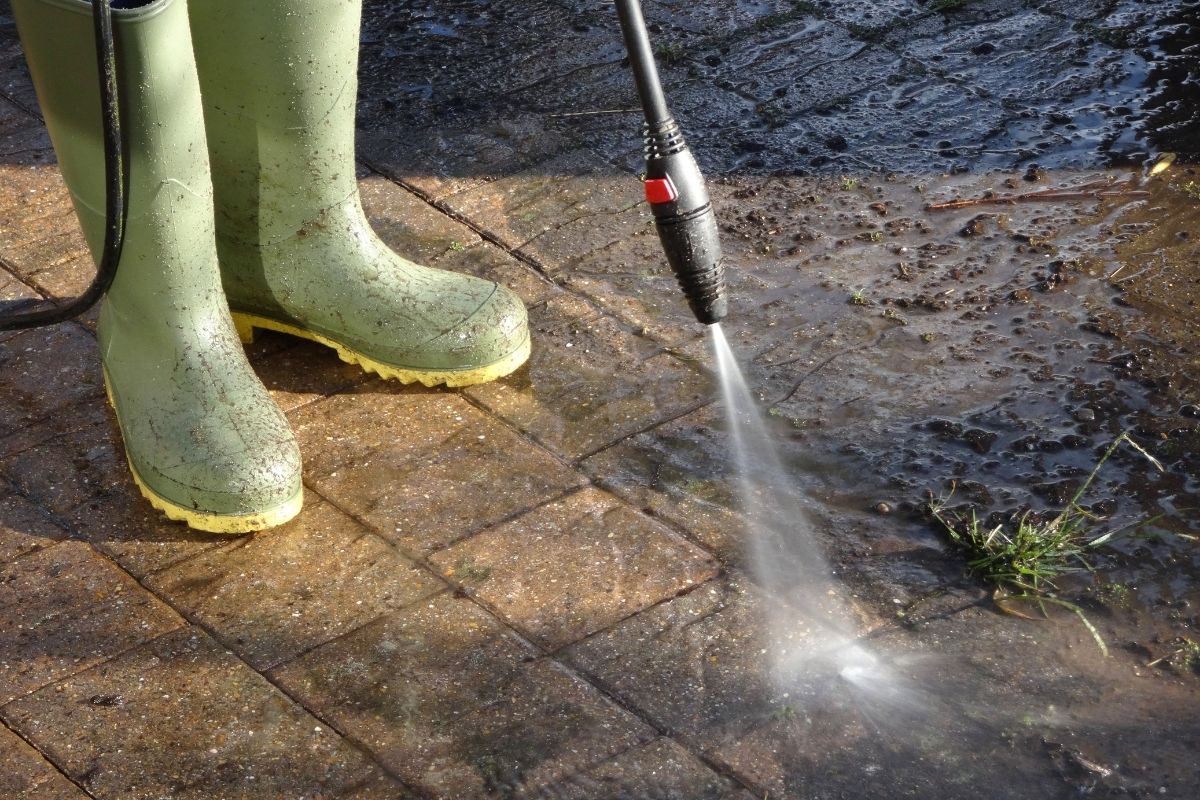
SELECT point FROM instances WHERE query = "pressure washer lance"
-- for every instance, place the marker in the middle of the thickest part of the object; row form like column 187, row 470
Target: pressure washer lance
column 683, row 213
column 114, row 188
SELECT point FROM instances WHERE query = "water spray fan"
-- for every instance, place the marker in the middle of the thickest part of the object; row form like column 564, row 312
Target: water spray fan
column 683, row 213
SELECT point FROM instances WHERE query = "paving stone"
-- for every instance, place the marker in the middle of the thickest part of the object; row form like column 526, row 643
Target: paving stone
column 423, row 468
column 449, row 701
column 14, row 295
column 43, row 372
column 679, row 472
column 661, row 770
column 297, row 372
column 40, row 238
column 574, row 567
column 180, row 717
column 707, row 648
column 66, row 608
column 280, row 592
column 563, row 251
column 14, row 77
column 798, row 67
column 486, row 260
column 441, row 161
column 25, row 775
column 379, row 788
column 74, row 466
column 590, row 382
column 24, row 527
column 522, row 207
column 409, row 225
column 710, row 19
column 962, row 712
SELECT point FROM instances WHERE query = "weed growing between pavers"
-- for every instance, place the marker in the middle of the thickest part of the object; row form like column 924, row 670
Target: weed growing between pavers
column 1023, row 558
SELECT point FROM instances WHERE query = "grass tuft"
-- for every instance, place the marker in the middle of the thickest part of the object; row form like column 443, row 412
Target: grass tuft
column 1024, row 560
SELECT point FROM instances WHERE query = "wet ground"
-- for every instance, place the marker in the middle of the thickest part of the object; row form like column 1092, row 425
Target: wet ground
column 539, row 587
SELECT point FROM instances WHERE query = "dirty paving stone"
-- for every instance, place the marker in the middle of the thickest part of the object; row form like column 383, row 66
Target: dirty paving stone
column 45, row 371
column 589, row 382
column 660, row 770
column 66, row 608
column 519, row 208
column 443, row 161
column 455, row 705
column 26, row 775
column 74, row 467
column 422, row 468
column 280, row 592
column 180, row 717
column 24, row 528
column 574, row 567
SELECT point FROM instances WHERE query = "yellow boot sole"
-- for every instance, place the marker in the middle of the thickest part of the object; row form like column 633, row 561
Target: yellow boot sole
column 200, row 520
column 246, row 323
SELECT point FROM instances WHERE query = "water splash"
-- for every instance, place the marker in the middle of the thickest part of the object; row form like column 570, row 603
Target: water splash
column 813, row 630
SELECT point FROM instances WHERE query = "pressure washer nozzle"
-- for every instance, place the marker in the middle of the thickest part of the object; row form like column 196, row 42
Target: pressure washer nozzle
column 683, row 215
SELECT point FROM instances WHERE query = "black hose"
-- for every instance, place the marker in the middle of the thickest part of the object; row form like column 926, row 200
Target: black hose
column 114, row 187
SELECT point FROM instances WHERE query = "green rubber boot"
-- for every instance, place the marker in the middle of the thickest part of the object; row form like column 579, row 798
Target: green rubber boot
column 278, row 80
column 204, row 440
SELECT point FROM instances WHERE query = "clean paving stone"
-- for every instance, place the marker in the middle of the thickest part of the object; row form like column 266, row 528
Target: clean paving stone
column 26, row 775
column 662, row 770
column 590, row 382
column 456, row 705
column 24, row 527
column 275, row 594
column 180, row 717
column 575, row 566
column 65, row 609
column 423, row 468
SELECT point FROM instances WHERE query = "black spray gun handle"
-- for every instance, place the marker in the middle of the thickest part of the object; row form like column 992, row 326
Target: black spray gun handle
column 675, row 189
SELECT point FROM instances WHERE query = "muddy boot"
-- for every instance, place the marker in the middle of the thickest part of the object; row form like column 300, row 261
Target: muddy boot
column 278, row 80
column 204, row 440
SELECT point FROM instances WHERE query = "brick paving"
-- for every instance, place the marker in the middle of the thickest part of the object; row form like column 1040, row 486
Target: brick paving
column 536, row 587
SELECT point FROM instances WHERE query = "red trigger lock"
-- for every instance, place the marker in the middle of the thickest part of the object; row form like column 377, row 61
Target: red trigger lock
column 661, row 190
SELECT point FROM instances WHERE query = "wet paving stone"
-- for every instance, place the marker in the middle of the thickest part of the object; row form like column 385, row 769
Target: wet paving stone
column 408, row 224
column 443, row 161
column 24, row 528
column 180, row 717
column 457, row 706
column 422, row 468
column 297, row 372
column 273, row 595
column 590, row 382
column 678, row 472
column 74, row 466
column 40, row 238
column 65, row 609
column 486, row 260
column 706, row 646
column 14, row 294
column 574, row 567
column 26, row 775
column 520, row 208
column 43, row 372
column 660, row 770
